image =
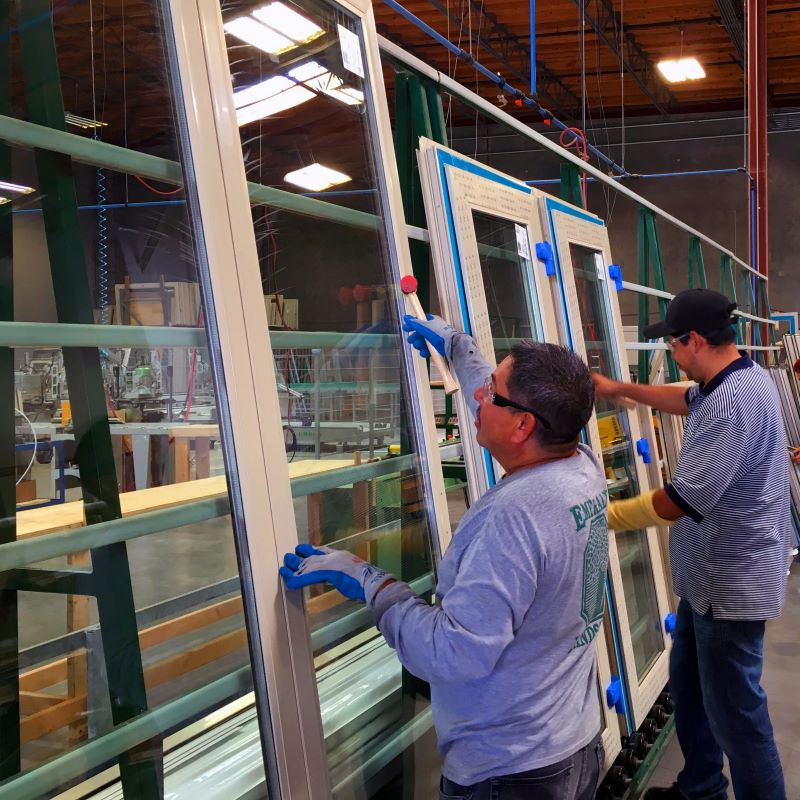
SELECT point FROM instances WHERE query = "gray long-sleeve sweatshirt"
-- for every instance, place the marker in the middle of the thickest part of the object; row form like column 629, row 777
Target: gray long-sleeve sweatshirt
column 509, row 646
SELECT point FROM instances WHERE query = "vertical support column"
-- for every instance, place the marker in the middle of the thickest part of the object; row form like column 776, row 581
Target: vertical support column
column 727, row 285
column 9, row 632
column 757, row 131
column 571, row 184
column 649, row 253
column 696, row 263
column 139, row 768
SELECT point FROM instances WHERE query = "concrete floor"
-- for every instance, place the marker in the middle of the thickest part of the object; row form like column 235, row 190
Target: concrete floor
column 781, row 684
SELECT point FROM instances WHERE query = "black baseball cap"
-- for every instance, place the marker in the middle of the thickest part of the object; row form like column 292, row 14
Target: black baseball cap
column 701, row 310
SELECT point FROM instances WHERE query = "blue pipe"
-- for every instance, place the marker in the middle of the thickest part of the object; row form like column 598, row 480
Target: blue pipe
column 499, row 81
column 533, row 47
column 100, row 207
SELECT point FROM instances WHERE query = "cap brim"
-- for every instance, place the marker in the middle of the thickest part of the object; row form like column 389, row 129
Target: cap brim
column 657, row 330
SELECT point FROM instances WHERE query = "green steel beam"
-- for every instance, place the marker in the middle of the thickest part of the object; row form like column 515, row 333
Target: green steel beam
column 64, row 334
column 570, row 187
column 727, row 285
column 86, row 758
column 696, row 264
column 120, row 159
column 9, row 625
column 649, row 257
column 140, row 771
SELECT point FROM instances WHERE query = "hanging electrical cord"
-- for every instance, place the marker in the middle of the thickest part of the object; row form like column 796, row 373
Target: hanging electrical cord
column 157, row 191
column 35, row 446
column 575, row 137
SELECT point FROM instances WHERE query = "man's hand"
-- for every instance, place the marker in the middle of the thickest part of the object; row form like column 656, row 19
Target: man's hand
column 355, row 578
column 435, row 332
column 605, row 387
column 795, row 452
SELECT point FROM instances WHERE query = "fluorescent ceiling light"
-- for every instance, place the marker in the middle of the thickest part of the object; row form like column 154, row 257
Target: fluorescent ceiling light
column 4, row 200
column 273, row 105
column 683, row 69
column 288, row 22
column 83, row 122
column 321, row 80
column 15, row 187
column 262, row 91
column 315, row 177
column 253, row 32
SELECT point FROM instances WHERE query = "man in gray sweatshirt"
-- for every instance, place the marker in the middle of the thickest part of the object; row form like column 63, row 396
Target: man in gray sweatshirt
column 509, row 646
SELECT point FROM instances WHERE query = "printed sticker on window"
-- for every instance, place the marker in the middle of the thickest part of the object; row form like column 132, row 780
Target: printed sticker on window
column 523, row 248
column 351, row 51
column 601, row 267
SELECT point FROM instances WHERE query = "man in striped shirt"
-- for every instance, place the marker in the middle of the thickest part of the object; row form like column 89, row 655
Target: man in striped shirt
column 728, row 508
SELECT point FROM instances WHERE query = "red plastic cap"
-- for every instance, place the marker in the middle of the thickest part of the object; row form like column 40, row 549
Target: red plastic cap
column 409, row 284
column 362, row 293
column 797, row 366
column 345, row 295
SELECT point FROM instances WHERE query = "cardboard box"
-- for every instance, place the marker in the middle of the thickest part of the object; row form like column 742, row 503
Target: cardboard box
column 26, row 492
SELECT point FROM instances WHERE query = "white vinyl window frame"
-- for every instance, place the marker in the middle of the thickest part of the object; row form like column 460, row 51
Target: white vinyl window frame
column 454, row 186
column 216, row 184
column 564, row 225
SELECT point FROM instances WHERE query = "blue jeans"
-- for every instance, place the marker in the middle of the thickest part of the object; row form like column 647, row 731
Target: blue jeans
column 574, row 778
column 714, row 678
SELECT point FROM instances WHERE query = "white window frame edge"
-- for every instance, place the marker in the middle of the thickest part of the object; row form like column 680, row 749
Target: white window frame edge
column 219, row 171
column 282, row 637
column 643, row 694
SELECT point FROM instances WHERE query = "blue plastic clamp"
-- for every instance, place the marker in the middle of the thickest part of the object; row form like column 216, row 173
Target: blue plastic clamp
column 615, row 273
column 614, row 695
column 643, row 449
column 545, row 254
column 669, row 623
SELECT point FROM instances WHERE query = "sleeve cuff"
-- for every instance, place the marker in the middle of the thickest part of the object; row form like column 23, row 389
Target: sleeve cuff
column 394, row 593
column 688, row 509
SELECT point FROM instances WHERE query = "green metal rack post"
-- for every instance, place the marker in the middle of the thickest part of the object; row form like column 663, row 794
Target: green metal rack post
column 696, row 263
column 109, row 579
column 727, row 285
column 649, row 256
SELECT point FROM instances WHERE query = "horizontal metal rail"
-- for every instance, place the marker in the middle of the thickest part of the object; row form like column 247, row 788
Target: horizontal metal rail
column 20, row 553
column 62, row 334
column 474, row 100
column 664, row 346
column 89, row 756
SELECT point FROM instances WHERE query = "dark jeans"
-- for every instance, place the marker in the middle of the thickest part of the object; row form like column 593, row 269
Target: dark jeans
column 574, row 778
column 714, row 678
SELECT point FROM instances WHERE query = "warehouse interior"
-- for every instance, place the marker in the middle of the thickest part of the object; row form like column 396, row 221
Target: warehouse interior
column 206, row 209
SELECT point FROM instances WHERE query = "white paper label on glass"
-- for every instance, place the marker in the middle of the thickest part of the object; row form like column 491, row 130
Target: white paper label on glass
column 523, row 248
column 351, row 51
column 601, row 267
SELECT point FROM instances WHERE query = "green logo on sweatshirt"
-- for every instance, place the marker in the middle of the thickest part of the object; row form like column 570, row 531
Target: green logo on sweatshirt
column 595, row 564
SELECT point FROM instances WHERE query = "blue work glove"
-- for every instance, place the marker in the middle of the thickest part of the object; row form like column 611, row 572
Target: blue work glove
column 435, row 332
column 355, row 578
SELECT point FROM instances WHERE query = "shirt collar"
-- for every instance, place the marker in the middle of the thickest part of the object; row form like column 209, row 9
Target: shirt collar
column 743, row 362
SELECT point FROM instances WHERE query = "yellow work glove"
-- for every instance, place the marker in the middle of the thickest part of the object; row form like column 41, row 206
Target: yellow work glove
column 634, row 514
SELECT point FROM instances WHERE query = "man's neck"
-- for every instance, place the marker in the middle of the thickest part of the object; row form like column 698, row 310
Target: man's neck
column 719, row 361
column 535, row 460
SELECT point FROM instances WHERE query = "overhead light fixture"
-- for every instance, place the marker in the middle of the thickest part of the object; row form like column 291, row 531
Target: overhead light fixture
column 267, row 98
column 682, row 69
column 285, row 20
column 15, row 187
column 315, row 177
column 253, row 32
column 83, row 122
column 274, row 28
column 4, row 200
column 319, row 79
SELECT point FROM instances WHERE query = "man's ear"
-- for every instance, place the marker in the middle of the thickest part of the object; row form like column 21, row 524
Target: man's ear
column 523, row 429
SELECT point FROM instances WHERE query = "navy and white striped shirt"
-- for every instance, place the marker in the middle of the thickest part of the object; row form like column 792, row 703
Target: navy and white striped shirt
column 730, row 552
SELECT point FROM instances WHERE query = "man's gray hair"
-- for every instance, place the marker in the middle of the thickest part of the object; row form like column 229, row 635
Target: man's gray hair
column 555, row 383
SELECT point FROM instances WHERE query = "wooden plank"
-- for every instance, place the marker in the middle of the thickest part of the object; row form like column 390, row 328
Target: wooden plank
column 41, row 677
column 51, row 719
column 187, row 623
column 32, row 702
column 202, row 457
column 181, row 457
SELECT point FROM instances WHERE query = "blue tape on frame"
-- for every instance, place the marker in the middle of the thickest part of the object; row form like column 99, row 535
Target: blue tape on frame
column 643, row 449
column 544, row 252
column 614, row 695
column 615, row 273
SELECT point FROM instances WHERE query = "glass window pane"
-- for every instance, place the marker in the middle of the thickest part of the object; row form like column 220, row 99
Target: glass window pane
column 507, row 279
column 618, row 459
column 116, row 416
column 340, row 368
